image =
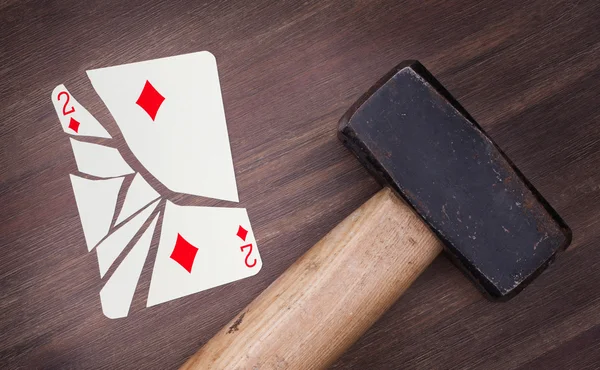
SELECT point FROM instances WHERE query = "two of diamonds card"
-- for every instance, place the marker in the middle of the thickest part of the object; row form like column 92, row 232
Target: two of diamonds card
column 170, row 113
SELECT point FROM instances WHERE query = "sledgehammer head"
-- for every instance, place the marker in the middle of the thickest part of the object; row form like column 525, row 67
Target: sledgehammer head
column 415, row 138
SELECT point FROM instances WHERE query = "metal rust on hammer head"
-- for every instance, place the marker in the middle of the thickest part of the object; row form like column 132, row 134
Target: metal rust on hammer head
column 416, row 138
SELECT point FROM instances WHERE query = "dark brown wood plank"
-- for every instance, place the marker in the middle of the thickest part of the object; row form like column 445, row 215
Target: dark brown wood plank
column 527, row 71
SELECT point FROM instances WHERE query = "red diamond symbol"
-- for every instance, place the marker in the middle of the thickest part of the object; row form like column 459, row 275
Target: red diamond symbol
column 150, row 100
column 74, row 124
column 242, row 233
column 184, row 253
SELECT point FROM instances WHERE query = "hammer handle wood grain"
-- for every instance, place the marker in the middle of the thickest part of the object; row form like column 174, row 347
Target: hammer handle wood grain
column 328, row 298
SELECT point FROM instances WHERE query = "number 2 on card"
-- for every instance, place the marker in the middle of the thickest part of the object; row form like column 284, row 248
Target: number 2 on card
column 65, row 112
column 248, row 255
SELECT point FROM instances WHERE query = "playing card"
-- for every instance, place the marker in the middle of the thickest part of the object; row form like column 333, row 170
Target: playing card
column 201, row 248
column 171, row 115
column 117, row 293
column 96, row 201
column 74, row 118
column 99, row 160
column 139, row 194
column 111, row 247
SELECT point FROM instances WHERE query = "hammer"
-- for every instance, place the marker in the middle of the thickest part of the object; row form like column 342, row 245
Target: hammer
column 446, row 186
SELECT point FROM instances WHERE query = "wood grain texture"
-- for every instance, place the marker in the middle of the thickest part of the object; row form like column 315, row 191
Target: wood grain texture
column 529, row 72
column 327, row 299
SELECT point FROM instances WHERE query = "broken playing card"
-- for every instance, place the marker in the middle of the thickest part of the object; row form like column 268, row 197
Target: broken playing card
column 74, row 118
column 209, row 252
column 170, row 113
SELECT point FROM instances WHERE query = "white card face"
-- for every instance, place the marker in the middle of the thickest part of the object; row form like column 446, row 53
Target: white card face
column 111, row 247
column 117, row 294
column 99, row 160
column 96, row 201
column 201, row 248
column 74, row 118
column 139, row 194
column 170, row 112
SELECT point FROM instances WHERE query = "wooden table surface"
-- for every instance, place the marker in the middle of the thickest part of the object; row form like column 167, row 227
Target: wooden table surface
column 528, row 71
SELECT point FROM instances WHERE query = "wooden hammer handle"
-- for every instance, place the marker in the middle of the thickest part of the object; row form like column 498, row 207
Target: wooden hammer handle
column 328, row 298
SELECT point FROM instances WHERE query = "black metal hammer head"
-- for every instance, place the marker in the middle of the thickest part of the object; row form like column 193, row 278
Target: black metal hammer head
column 415, row 137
